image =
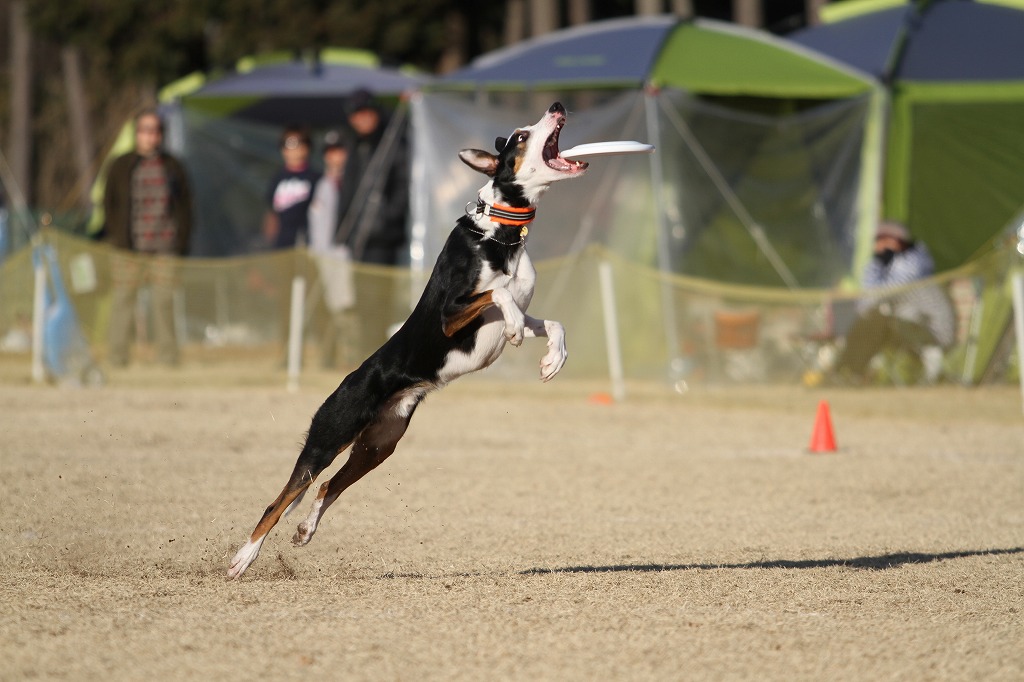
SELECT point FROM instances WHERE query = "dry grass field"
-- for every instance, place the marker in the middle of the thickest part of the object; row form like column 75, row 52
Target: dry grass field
column 520, row 532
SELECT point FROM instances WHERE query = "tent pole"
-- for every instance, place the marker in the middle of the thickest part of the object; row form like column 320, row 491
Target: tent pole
column 611, row 330
column 1018, row 324
column 38, row 315
column 668, row 308
column 753, row 228
column 418, row 202
column 297, row 315
column 872, row 182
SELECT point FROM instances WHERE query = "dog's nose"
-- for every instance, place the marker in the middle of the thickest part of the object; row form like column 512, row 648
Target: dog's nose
column 556, row 108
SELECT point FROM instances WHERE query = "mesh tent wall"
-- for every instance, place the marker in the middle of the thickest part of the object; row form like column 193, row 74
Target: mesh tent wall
column 955, row 144
column 226, row 130
column 760, row 148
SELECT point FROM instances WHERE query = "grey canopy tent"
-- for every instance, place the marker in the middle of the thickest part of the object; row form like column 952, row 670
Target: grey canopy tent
column 227, row 129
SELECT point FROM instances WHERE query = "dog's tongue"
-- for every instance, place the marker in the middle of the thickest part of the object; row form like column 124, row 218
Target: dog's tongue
column 558, row 163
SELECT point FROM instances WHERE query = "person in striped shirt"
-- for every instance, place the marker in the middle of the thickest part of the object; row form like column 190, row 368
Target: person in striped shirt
column 896, row 313
column 148, row 211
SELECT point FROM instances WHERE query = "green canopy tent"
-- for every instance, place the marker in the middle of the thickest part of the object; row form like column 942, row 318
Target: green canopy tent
column 954, row 70
column 765, row 172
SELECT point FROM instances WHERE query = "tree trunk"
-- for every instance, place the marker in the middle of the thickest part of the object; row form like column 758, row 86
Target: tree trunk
column 515, row 21
column 19, row 151
column 78, row 115
column 579, row 12
column 682, row 8
column 649, row 7
column 454, row 54
column 814, row 11
column 543, row 17
column 747, row 13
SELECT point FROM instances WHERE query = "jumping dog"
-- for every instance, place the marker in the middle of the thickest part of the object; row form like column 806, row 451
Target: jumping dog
column 474, row 302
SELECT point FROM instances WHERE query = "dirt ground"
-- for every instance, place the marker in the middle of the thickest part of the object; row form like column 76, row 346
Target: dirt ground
column 520, row 532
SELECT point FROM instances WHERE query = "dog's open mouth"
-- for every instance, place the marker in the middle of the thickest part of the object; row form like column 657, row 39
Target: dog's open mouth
column 552, row 157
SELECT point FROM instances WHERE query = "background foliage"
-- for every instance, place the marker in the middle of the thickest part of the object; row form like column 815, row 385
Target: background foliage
column 128, row 49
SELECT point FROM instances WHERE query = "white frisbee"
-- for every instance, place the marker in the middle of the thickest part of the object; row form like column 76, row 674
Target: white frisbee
column 608, row 148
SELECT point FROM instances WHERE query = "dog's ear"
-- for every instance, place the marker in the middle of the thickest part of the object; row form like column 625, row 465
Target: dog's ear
column 480, row 160
column 500, row 142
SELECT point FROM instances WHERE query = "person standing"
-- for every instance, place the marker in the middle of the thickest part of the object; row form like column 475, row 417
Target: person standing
column 333, row 260
column 290, row 192
column 373, row 205
column 147, row 204
column 372, row 214
column 286, row 221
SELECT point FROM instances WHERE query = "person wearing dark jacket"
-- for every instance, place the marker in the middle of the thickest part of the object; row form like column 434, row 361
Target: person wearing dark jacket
column 374, row 201
column 148, row 211
column 372, row 214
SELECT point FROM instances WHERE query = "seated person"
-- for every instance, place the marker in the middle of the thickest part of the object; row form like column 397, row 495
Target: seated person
column 910, row 320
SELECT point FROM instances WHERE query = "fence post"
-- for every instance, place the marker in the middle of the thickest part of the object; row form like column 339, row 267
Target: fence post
column 297, row 315
column 611, row 330
column 38, row 316
column 1018, row 326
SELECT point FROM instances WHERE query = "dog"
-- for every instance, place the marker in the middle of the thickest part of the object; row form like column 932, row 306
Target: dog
column 474, row 303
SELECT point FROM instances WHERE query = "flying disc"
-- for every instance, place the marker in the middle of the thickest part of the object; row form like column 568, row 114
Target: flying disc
column 608, row 148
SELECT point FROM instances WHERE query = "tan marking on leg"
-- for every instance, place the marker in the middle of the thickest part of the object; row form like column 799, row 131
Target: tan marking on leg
column 274, row 512
column 459, row 320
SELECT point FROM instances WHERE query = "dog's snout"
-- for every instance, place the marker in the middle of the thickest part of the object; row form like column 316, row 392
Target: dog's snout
column 556, row 108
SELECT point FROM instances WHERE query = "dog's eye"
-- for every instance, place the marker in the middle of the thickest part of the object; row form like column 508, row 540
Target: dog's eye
column 521, row 137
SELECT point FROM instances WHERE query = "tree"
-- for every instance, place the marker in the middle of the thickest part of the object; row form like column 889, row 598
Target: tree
column 117, row 53
column 19, row 141
column 78, row 117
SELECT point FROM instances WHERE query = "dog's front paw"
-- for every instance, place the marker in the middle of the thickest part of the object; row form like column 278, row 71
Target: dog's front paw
column 553, row 360
column 245, row 556
column 515, row 330
column 550, row 365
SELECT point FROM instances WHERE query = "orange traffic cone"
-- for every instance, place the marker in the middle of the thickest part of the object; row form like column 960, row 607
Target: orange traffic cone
column 822, row 439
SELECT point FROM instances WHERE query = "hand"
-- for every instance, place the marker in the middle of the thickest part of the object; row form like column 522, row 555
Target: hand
column 271, row 226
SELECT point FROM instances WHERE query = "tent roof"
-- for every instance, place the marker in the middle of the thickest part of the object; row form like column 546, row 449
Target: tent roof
column 612, row 53
column 298, row 79
column 950, row 40
column 699, row 55
column 279, row 89
column 721, row 58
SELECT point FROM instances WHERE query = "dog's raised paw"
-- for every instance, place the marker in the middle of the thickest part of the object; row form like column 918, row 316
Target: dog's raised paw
column 551, row 364
column 515, row 334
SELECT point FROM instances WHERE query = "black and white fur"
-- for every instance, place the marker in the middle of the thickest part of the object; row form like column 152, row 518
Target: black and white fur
column 474, row 302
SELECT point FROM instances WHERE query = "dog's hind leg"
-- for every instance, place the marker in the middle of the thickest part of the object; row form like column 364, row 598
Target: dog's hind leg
column 375, row 444
column 312, row 460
